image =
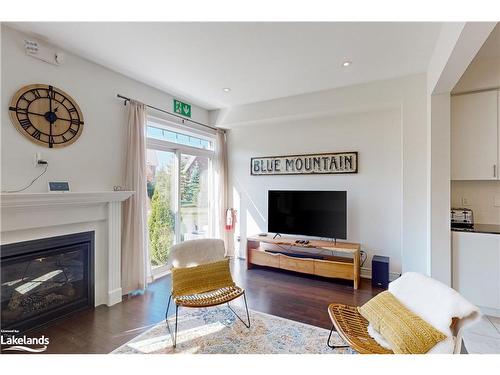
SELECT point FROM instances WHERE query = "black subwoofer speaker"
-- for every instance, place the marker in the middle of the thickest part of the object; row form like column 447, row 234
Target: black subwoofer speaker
column 380, row 271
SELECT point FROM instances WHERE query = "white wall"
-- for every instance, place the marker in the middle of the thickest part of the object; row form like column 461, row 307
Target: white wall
column 374, row 194
column 385, row 121
column 95, row 161
column 439, row 187
column 481, row 196
column 481, row 74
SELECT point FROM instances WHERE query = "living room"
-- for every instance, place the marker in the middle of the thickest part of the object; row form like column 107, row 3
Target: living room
column 250, row 187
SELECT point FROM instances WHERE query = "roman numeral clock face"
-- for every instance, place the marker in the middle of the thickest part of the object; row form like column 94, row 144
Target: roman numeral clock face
column 46, row 115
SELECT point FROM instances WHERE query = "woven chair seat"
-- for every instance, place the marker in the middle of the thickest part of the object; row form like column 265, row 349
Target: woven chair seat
column 353, row 328
column 212, row 298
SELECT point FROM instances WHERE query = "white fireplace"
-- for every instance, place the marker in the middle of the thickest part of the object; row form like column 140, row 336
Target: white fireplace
column 26, row 217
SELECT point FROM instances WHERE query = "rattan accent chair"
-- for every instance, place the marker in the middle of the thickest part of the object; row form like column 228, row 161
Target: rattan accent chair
column 353, row 328
column 195, row 253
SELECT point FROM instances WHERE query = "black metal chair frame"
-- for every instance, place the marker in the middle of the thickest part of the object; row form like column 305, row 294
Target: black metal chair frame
column 330, row 345
column 174, row 336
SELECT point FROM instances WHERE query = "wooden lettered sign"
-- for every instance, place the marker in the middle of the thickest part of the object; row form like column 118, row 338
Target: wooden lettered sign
column 329, row 163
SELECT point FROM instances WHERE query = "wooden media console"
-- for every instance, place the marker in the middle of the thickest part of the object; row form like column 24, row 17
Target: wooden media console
column 339, row 260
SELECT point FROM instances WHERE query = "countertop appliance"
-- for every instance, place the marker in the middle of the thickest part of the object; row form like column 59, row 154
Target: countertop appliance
column 462, row 218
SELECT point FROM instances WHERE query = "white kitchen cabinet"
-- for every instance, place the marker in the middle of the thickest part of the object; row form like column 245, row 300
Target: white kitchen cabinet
column 476, row 268
column 475, row 136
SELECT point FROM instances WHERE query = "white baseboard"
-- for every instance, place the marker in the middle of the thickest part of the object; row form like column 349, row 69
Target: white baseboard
column 490, row 311
column 114, row 297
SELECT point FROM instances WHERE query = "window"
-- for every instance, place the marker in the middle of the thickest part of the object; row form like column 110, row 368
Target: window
column 153, row 131
column 180, row 188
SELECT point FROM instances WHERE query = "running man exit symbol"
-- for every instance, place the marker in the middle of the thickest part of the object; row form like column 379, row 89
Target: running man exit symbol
column 181, row 108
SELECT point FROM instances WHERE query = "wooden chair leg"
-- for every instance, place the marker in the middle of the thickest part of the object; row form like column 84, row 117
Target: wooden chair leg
column 246, row 308
column 331, row 345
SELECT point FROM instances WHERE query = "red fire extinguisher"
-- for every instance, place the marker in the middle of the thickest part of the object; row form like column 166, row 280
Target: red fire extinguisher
column 230, row 219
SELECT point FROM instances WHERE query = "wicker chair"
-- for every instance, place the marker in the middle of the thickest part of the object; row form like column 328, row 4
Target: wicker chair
column 194, row 253
column 352, row 327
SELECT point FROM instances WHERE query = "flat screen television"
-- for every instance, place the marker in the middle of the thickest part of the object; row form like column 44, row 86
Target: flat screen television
column 308, row 213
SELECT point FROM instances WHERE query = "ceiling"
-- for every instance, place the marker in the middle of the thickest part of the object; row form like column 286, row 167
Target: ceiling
column 258, row 61
column 491, row 48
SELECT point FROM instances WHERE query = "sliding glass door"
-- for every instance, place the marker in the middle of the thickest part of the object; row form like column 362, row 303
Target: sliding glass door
column 195, row 191
column 161, row 204
column 180, row 190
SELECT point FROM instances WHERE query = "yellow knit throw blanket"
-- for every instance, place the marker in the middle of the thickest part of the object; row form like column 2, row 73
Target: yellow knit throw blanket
column 405, row 331
column 202, row 278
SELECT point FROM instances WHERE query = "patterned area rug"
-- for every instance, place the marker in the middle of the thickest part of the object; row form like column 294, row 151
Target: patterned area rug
column 217, row 331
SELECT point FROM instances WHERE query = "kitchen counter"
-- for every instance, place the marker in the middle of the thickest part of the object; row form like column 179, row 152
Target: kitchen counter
column 476, row 267
column 480, row 228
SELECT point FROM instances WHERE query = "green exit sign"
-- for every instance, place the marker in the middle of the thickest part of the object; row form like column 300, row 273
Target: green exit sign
column 182, row 108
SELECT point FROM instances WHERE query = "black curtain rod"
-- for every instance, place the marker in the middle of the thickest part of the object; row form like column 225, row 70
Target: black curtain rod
column 170, row 113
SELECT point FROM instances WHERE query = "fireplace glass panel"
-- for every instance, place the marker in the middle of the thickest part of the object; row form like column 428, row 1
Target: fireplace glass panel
column 42, row 285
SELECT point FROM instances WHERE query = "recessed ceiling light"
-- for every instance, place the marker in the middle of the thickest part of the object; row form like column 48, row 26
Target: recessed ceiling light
column 345, row 64
column 226, row 89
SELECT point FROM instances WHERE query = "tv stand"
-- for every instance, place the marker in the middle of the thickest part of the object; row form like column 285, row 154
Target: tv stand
column 276, row 235
column 284, row 253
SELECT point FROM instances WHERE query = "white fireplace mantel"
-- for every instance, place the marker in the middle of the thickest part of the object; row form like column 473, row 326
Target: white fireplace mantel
column 28, row 216
column 43, row 199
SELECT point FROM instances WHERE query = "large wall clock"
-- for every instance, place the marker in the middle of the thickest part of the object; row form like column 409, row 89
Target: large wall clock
column 46, row 115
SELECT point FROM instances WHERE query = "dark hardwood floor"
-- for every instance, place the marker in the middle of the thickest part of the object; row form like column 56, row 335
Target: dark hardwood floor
column 297, row 297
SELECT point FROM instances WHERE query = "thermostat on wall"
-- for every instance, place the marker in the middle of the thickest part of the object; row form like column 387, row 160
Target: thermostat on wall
column 58, row 186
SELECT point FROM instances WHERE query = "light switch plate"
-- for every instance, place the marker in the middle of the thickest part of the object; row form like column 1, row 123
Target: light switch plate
column 496, row 201
column 465, row 201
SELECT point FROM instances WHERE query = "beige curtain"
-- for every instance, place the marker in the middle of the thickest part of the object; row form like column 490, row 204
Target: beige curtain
column 223, row 193
column 135, row 257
